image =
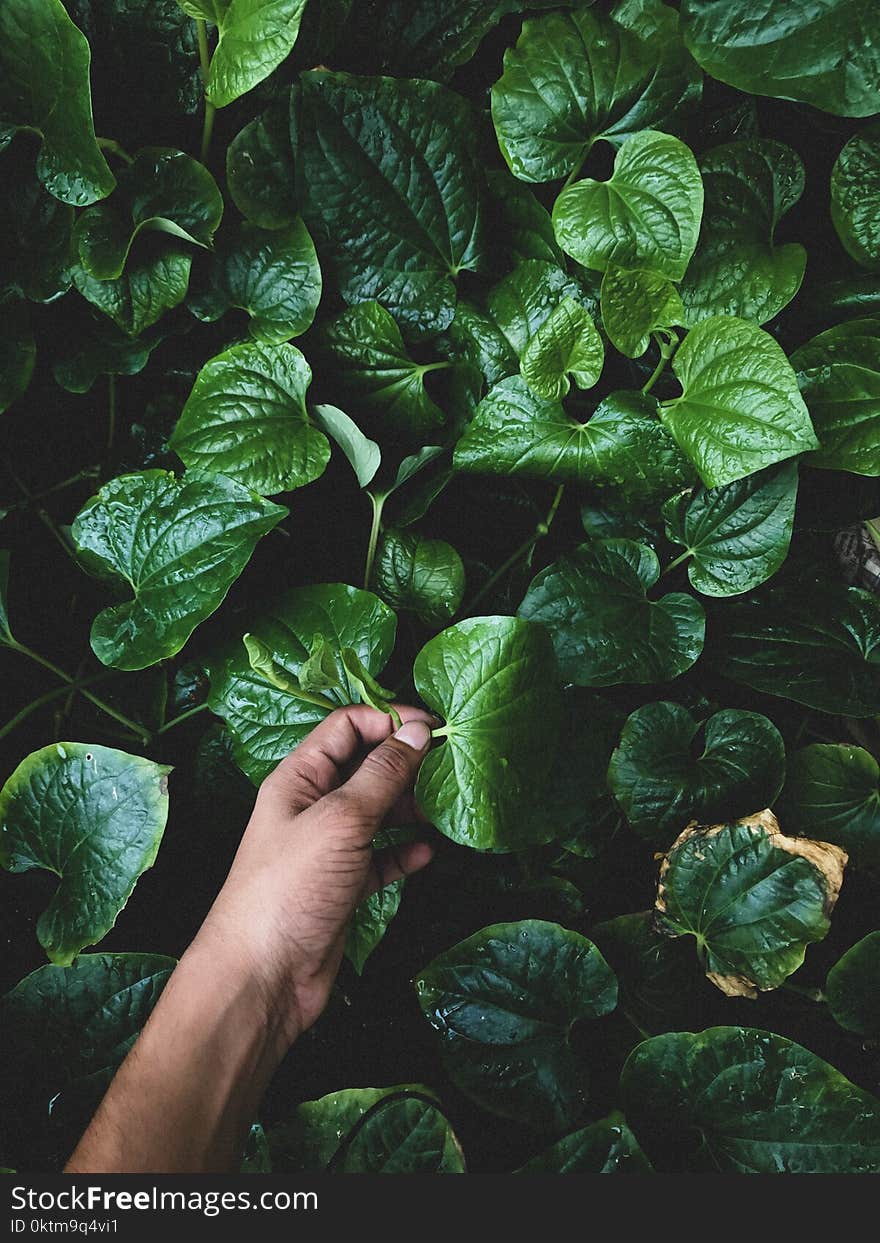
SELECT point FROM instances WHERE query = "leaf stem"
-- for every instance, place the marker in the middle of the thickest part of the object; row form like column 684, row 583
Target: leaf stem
column 210, row 110
column 49, row 696
column 110, row 144
column 800, row 990
column 89, row 472
column 377, row 501
column 542, row 529
column 667, row 349
column 184, row 716
column 673, row 565
column 44, row 517
column 132, row 726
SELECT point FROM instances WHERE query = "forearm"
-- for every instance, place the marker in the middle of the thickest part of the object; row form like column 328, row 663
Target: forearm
column 187, row 1093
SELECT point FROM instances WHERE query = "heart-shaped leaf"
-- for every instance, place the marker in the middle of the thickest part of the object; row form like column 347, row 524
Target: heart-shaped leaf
column 152, row 284
column 503, row 1004
column 634, row 304
column 161, row 191
column 520, row 304
column 179, row 544
column 855, row 196
column 253, row 38
column 622, row 446
column 574, row 78
column 425, row 576
column 393, row 191
column 839, row 377
column 267, row 722
column 662, row 780
column 752, row 899
column 604, row 628
column 367, row 1131
column 272, row 275
column 737, row 536
column 44, row 87
column 737, row 269
column 853, row 987
column 35, row 233
column 660, row 979
column 735, row 1100
column 740, row 408
column 834, row 790
column 604, row 1147
column 647, row 215
column 89, row 345
column 491, row 679
column 259, row 168
column 246, row 418
column 94, row 817
column 567, row 343
column 820, row 648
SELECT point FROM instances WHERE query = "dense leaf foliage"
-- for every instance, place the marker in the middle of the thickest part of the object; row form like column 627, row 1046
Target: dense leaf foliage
column 518, row 358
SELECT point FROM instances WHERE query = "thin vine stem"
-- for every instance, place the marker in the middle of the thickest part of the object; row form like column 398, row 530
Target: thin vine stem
column 116, row 148
column 542, row 529
column 178, row 720
column 43, row 515
column 667, row 349
column 673, row 565
column 210, row 110
column 58, row 693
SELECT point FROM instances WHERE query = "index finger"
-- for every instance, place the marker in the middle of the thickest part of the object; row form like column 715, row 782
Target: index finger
column 318, row 765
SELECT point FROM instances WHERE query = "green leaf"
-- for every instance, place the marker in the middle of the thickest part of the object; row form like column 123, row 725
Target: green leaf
column 370, row 923
column 737, row 536
column 94, row 817
column 647, row 215
column 526, row 226
column 246, row 418
column 575, row 78
column 752, row 898
column 151, row 285
column 659, row 976
column 364, row 455
column 735, row 1100
column 576, row 805
column 366, row 689
column 179, row 544
column 44, row 86
column 663, row 778
column 368, row 357
column 605, row 630
column 254, row 37
column 491, row 679
column 834, row 790
column 622, row 446
column 34, row 232
column 91, row 346
column 503, row 1004
column 259, row 168
column 425, row 576
column 822, row 54
column 567, row 343
column 855, row 196
column 819, row 648
column 162, row 191
column 393, row 191
column 321, row 671
column 267, row 723
column 634, row 304
column 521, row 303
column 839, row 377
column 368, row 1131
column 66, row 1029
column 853, row 987
column 737, row 269
column 740, row 409
column 272, row 275
column 18, row 354
column 604, row 1147
column 307, row 686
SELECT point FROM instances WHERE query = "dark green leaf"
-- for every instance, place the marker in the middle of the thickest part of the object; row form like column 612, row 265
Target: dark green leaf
column 259, row 168
column 162, row 191
column 839, row 376
column 853, row 987
column 742, row 1101
column 823, row 54
column 604, row 1147
column 44, row 86
column 647, row 215
column 425, row 576
column 393, row 191
column 659, row 977
column 834, row 790
column 576, row 803
column 246, row 418
column 266, row 722
column 752, row 899
column 663, row 780
column 179, row 544
column 855, row 196
column 370, row 923
column 151, row 285
column 91, row 345
column 18, row 353
column 368, row 1131
column 503, row 1004
column 491, row 679
column 254, row 37
column 740, row 408
column 605, row 630
column 575, row 78
column 34, row 232
column 273, row 275
column 634, row 303
column 567, row 343
column 820, row 648
column 94, row 817
column 525, row 223
column 622, row 446
column 737, row 269
column 737, row 536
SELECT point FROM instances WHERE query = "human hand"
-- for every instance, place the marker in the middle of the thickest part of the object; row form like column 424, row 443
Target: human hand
column 306, row 859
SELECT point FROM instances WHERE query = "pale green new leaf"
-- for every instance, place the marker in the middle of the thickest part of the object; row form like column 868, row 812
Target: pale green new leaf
column 254, row 37
column 364, row 455
column 567, row 343
column 635, row 303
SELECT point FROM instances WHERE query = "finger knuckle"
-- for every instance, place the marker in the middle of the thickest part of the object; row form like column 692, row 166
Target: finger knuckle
column 389, row 764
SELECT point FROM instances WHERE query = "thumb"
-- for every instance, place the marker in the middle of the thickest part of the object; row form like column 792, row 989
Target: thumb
column 388, row 771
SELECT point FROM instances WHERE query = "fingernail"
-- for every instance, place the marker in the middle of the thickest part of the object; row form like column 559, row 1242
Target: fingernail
column 415, row 734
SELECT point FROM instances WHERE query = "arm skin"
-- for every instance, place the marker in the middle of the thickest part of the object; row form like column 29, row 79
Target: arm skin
column 262, row 966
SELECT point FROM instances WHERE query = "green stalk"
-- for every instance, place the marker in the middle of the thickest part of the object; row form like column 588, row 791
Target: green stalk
column 377, row 501
column 210, row 110
column 49, row 696
column 542, row 529
column 116, row 148
column 184, row 716
column 673, row 565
